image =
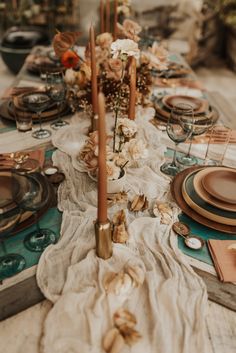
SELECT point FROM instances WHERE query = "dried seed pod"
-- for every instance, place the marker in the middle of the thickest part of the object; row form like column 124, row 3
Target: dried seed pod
column 137, row 274
column 118, row 344
column 119, row 198
column 120, row 235
column 109, row 338
column 131, row 336
column 139, row 203
column 165, row 218
column 117, row 283
column 163, row 210
column 119, row 217
column 123, row 316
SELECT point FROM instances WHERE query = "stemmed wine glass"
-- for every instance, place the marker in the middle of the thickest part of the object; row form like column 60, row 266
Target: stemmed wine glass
column 178, row 130
column 37, row 102
column 34, row 200
column 10, row 264
column 56, row 89
column 201, row 124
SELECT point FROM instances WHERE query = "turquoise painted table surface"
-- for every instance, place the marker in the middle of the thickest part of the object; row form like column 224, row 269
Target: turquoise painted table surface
column 204, row 232
column 15, row 244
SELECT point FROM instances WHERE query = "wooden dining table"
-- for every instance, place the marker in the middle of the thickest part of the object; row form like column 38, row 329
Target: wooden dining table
column 20, row 292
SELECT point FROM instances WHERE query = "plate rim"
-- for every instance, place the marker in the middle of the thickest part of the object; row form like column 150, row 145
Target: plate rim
column 203, row 103
column 207, row 189
column 209, row 198
column 205, row 213
column 175, row 188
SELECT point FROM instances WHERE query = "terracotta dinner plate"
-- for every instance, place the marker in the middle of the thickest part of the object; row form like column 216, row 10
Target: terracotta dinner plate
column 176, row 190
column 200, row 206
column 197, row 183
column 198, row 105
column 164, row 114
column 221, row 184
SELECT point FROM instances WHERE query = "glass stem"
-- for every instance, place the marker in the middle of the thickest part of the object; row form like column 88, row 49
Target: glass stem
column 37, row 223
column 40, row 121
column 59, row 104
column 190, row 146
column 173, row 163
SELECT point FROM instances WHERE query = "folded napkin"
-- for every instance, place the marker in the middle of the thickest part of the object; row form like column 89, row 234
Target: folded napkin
column 215, row 138
column 224, row 259
column 7, row 162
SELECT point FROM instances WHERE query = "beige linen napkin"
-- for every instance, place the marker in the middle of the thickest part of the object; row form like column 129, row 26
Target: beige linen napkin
column 224, row 259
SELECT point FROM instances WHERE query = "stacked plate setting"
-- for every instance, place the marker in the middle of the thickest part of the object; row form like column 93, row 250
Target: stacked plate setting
column 174, row 70
column 42, row 62
column 7, row 202
column 200, row 106
column 208, row 195
column 12, row 107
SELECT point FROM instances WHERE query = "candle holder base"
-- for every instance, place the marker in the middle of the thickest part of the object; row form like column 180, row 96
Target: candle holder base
column 103, row 239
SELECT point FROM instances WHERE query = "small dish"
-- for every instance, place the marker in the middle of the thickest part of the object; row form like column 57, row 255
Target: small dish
column 191, row 241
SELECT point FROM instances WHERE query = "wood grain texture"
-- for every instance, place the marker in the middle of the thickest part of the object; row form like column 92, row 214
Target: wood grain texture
column 221, row 329
column 20, row 297
column 218, row 292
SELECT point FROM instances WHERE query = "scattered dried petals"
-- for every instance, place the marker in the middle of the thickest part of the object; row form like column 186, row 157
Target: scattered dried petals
column 130, row 335
column 109, row 338
column 120, row 234
column 123, row 316
column 163, row 210
column 139, row 203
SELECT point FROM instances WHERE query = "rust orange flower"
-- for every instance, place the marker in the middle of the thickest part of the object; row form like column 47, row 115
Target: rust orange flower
column 69, row 59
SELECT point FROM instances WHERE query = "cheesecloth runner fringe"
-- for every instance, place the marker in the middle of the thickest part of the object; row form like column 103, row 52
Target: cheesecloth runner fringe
column 170, row 306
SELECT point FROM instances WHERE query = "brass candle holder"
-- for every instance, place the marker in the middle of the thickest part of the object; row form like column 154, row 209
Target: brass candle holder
column 103, row 239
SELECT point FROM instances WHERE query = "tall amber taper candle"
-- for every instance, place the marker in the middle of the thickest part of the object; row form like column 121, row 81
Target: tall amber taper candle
column 102, row 23
column 108, row 15
column 93, row 72
column 102, row 171
column 115, row 19
column 132, row 98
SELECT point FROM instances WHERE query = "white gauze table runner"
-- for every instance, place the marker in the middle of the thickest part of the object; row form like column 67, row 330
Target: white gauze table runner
column 170, row 306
